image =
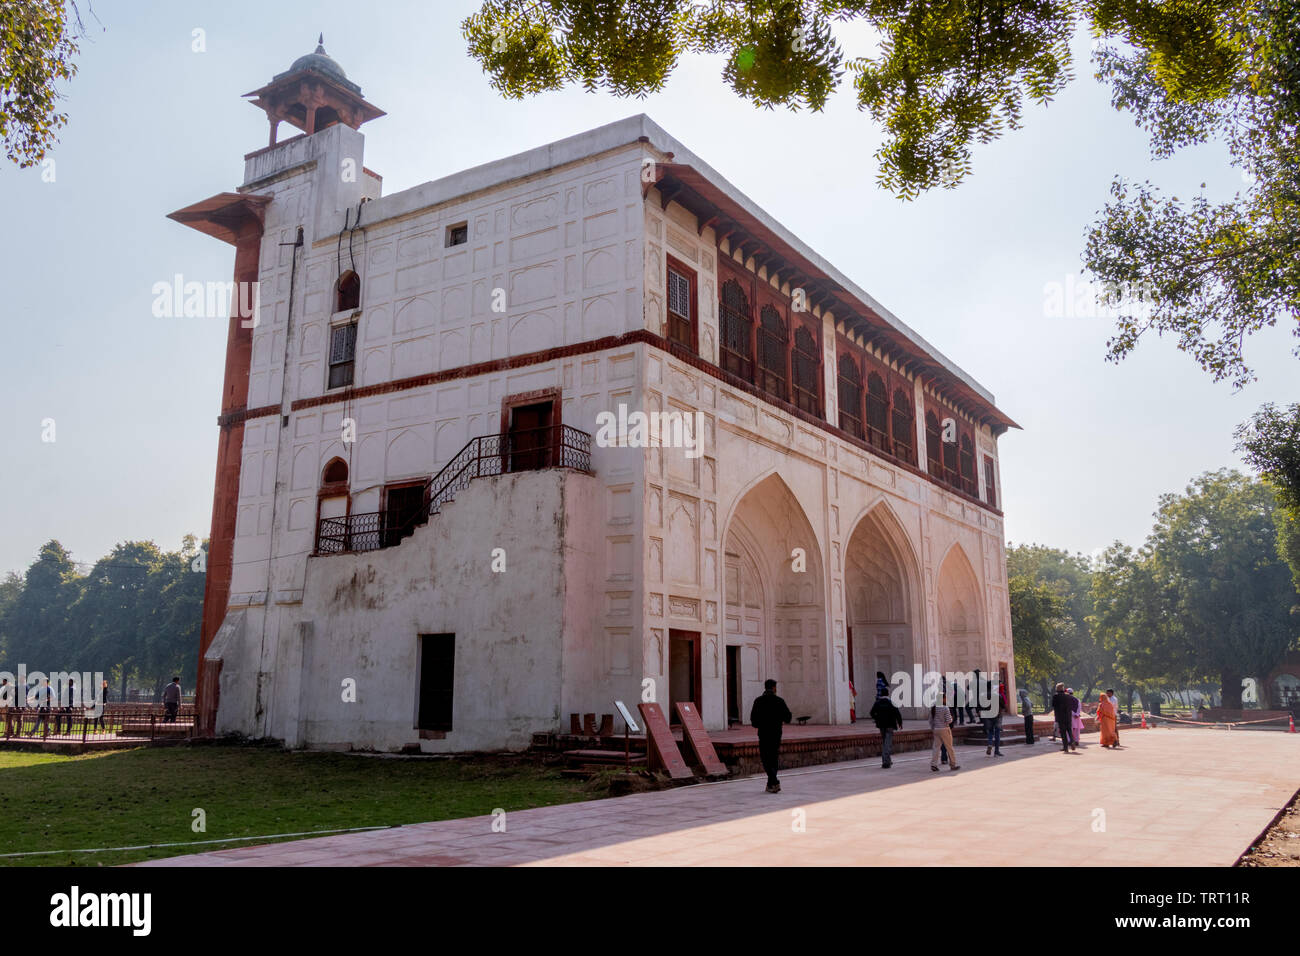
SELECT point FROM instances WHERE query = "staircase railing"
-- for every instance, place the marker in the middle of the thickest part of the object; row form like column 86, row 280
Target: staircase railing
column 552, row 446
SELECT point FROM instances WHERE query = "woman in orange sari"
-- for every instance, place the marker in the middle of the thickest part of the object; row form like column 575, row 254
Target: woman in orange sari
column 1106, row 721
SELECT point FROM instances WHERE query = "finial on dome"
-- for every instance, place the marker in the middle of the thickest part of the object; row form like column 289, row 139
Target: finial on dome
column 320, row 43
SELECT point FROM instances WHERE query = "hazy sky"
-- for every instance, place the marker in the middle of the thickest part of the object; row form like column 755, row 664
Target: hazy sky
column 154, row 126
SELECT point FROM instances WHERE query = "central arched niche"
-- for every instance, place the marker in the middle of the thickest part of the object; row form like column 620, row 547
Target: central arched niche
column 881, row 581
column 775, row 614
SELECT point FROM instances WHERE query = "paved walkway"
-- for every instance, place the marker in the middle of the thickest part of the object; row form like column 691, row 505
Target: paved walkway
column 1177, row 797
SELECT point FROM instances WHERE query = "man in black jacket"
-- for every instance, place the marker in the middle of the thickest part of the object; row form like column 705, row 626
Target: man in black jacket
column 769, row 715
column 888, row 718
column 1063, row 708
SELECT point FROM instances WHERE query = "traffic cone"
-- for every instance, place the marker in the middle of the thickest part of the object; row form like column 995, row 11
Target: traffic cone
column 1291, row 720
column 1144, row 720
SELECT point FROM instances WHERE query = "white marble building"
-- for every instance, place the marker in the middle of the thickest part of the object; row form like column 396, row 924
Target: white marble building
column 494, row 314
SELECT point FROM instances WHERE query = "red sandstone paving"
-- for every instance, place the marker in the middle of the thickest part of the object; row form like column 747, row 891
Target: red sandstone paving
column 1183, row 797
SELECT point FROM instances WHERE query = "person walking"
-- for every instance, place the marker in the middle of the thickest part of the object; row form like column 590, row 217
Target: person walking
column 172, row 700
column 941, row 721
column 991, row 717
column 769, row 715
column 1063, row 710
column 1106, row 722
column 1114, row 702
column 43, row 697
column 1027, row 710
column 1076, row 718
column 103, row 705
column 888, row 718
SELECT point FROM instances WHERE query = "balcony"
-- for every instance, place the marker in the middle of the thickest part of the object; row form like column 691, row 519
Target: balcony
column 552, row 446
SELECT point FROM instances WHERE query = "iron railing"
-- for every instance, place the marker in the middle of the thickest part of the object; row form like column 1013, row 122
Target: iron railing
column 114, row 722
column 552, row 446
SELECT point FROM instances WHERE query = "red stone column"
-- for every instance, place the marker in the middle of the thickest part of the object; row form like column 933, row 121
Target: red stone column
column 225, row 498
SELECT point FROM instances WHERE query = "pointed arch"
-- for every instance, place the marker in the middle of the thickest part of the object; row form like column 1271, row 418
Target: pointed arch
column 961, row 612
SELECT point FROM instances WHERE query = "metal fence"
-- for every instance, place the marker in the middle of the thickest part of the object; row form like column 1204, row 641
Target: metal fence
column 132, row 721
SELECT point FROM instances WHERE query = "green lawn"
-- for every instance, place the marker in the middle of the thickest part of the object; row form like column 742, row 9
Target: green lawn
column 147, row 795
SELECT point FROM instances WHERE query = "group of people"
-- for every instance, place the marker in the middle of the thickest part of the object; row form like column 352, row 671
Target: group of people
column 42, row 699
column 769, row 715
column 1067, row 711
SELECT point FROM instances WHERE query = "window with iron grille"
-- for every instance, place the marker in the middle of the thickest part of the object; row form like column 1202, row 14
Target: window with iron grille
column 343, row 353
column 933, row 445
column 968, row 482
column 850, row 389
column 805, row 362
column 990, row 492
column 737, row 331
column 877, row 412
column 773, row 343
column 950, row 473
column 904, row 428
column 681, row 309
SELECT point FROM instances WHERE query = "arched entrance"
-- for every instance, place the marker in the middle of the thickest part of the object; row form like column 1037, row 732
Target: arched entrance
column 881, row 580
column 775, row 620
column 961, row 617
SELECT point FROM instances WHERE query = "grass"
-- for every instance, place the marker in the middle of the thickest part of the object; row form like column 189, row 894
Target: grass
column 146, row 796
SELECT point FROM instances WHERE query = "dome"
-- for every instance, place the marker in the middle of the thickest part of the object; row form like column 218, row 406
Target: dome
column 321, row 62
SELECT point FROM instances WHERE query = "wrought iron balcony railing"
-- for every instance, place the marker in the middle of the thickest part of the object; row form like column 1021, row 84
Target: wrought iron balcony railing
column 553, row 446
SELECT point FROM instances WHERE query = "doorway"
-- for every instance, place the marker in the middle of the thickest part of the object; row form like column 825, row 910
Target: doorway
column 402, row 507
column 733, row 685
column 683, row 670
column 530, row 436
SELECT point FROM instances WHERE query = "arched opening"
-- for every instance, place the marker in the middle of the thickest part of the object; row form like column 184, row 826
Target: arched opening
column 877, row 412
column 347, row 296
column 333, row 504
column 737, row 331
column 850, row 394
column 968, row 483
column 881, row 580
column 904, row 431
column 961, row 631
column 773, row 343
column 335, row 472
column 806, row 371
column 775, row 606
column 933, row 445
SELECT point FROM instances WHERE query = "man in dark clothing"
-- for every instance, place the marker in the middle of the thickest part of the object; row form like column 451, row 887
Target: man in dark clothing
column 769, row 715
column 1063, row 708
column 1027, row 708
column 172, row 700
column 888, row 718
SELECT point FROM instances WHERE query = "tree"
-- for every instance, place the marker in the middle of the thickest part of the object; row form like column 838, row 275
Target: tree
column 1081, row 660
column 1213, row 549
column 37, row 46
column 1209, row 273
column 1270, row 442
column 35, row 624
column 1037, row 611
column 1134, row 620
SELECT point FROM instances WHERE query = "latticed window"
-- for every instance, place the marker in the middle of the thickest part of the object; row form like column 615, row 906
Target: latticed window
column 950, row 473
column 877, row 412
column 737, row 331
column 773, row 343
column 850, row 382
column 343, row 353
column 968, row 483
column 805, row 362
column 990, row 492
column 904, row 427
column 933, row 445
column 681, row 311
